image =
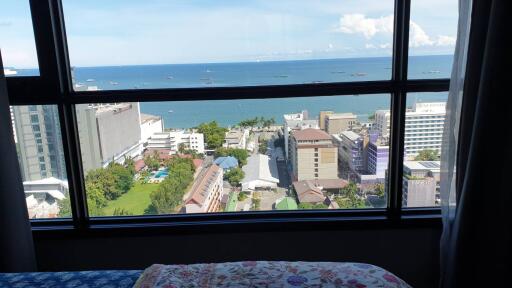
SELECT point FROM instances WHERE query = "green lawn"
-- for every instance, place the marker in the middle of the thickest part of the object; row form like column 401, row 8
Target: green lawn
column 135, row 201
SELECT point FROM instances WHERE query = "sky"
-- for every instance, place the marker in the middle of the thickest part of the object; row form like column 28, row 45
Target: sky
column 133, row 32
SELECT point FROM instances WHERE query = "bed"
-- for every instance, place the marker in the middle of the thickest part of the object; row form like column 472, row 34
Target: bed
column 231, row 274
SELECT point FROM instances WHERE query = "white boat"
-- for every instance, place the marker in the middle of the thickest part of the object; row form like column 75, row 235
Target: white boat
column 170, row 111
column 113, row 83
column 170, row 77
column 9, row 72
column 89, row 80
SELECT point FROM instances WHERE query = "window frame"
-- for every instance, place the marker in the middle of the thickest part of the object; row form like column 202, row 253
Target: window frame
column 53, row 86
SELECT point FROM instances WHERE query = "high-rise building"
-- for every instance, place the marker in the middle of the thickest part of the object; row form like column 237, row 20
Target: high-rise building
column 420, row 184
column 424, row 125
column 149, row 125
column 378, row 157
column 40, row 148
column 313, row 155
column 351, row 150
column 339, row 122
column 293, row 122
column 108, row 132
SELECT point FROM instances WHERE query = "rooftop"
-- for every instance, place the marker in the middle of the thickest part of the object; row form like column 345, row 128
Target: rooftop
column 434, row 166
column 47, row 181
column 311, row 134
column 260, row 167
column 286, row 203
column 352, row 136
column 341, row 116
column 202, row 185
column 227, row 162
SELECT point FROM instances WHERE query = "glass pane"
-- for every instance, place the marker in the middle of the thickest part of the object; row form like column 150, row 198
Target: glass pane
column 165, row 44
column 41, row 157
column 17, row 39
column 432, row 35
column 424, row 124
column 271, row 154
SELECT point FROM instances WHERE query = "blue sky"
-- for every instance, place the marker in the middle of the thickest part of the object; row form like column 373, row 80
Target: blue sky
column 127, row 32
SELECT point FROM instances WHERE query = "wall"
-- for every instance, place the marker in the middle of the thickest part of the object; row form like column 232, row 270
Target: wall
column 412, row 254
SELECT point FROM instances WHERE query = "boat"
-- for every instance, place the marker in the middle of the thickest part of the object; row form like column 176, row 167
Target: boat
column 434, row 71
column 281, row 76
column 359, row 74
column 208, row 71
column 337, row 72
column 113, row 83
column 89, row 80
column 170, row 77
column 9, row 72
column 170, row 111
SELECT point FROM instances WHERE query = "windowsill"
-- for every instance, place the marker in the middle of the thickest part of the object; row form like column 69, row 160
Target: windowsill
column 242, row 223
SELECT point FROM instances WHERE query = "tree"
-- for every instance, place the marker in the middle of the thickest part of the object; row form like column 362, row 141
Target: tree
column 312, row 206
column 350, row 190
column 263, row 146
column 214, row 134
column 182, row 148
column 123, row 176
column 427, row 155
column 105, row 181
column 64, row 208
column 371, row 117
column 379, row 190
column 96, row 199
column 129, row 163
column 234, row 176
column 152, row 161
column 169, row 194
column 266, row 123
column 349, row 198
column 241, row 155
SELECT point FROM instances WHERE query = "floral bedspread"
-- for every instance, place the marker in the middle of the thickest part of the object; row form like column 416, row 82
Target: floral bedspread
column 268, row 274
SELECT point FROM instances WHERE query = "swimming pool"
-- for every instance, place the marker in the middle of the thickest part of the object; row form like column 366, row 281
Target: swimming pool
column 162, row 173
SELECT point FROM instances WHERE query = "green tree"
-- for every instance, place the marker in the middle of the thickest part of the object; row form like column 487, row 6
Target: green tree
column 182, row 148
column 105, row 181
column 379, row 190
column 349, row 198
column 152, row 161
column 214, row 134
column 371, row 117
column 234, row 176
column 427, row 155
column 64, row 208
column 305, row 206
column 129, row 163
column 122, row 175
column 241, row 155
column 241, row 196
column 96, row 199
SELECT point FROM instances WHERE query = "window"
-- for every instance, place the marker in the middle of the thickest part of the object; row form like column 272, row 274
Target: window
column 432, row 35
column 44, row 182
column 265, row 108
column 17, row 39
column 263, row 43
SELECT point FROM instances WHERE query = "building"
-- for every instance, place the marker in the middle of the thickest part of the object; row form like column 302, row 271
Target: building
column 293, row 122
column 313, row 155
column 236, row 139
column 173, row 140
column 315, row 191
column 226, row 163
column 351, row 150
column 420, row 184
column 339, row 122
column 43, row 196
column 39, row 142
column 260, row 173
column 321, row 118
column 378, row 158
column 424, row 125
column 149, row 125
column 108, row 132
column 206, row 193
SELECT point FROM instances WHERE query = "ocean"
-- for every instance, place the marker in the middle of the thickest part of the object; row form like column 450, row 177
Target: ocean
column 229, row 112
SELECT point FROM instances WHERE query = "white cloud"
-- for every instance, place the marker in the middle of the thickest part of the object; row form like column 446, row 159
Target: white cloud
column 359, row 23
column 418, row 37
column 443, row 40
column 369, row 27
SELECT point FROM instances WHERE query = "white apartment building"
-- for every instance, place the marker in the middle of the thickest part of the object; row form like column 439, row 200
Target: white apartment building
column 296, row 121
column 173, row 139
column 149, row 125
column 424, row 125
column 236, row 139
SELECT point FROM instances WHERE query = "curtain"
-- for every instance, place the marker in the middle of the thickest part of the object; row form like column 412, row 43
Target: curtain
column 475, row 244
column 16, row 244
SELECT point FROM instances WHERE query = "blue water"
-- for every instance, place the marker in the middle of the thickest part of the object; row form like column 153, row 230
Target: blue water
column 230, row 112
column 162, row 173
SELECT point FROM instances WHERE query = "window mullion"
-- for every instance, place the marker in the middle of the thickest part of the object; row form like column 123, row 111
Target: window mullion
column 398, row 105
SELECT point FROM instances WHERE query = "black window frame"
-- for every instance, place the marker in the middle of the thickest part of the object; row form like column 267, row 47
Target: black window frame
column 54, row 86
